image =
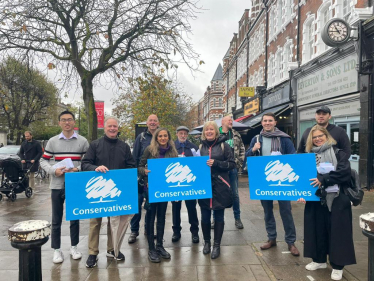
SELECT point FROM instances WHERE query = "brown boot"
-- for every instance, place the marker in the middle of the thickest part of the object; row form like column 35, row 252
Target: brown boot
column 268, row 245
column 294, row 251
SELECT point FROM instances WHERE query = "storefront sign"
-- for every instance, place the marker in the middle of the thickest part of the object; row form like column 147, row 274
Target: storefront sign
column 333, row 80
column 342, row 109
column 246, row 92
column 96, row 195
column 182, row 178
column 276, row 98
column 252, row 107
column 282, row 177
column 99, row 107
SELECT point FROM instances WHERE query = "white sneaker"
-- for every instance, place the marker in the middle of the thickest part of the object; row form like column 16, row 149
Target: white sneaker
column 337, row 274
column 58, row 256
column 315, row 265
column 75, row 254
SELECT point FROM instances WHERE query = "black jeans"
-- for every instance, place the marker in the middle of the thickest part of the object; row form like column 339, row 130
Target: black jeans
column 135, row 221
column 206, row 214
column 159, row 210
column 58, row 199
column 192, row 216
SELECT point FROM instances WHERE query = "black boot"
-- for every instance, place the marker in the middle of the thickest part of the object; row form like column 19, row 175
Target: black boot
column 153, row 255
column 218, row 231
column 160, row 243
column 206, row 234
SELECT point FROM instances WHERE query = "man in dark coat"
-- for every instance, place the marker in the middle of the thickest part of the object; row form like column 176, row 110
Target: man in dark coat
column 185, row 148
column 272, row 141
column 104, row 154
column 323, row 115
column 142, row 141
column 31, row 150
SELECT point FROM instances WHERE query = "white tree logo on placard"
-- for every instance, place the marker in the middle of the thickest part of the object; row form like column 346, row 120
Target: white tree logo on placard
column 276, row 171
column 177, row 173
column 98, row 187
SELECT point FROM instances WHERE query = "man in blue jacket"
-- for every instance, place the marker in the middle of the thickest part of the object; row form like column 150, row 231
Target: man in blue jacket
column 273, row 141
column 141, row 142
column 185, row 148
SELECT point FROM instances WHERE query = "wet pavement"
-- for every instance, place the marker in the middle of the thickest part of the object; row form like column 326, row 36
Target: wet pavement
column 241, row 257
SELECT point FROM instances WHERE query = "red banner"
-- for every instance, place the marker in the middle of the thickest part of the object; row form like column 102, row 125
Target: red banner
column 99, row 106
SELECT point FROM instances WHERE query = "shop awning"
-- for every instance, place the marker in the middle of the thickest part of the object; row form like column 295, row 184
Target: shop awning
column 241, row 119
column 256, row 120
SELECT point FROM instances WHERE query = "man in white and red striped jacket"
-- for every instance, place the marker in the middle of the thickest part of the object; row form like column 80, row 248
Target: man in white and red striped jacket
column 68, row 144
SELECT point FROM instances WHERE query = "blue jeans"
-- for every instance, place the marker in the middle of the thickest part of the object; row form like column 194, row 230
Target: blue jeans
column 233, row 174
column 219, row 215
column 287, row 219
column 135, row 221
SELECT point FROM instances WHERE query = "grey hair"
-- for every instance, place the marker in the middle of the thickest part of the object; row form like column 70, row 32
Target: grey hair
column 111, row 117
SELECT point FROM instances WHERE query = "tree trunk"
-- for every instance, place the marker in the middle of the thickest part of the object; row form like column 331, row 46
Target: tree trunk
column 89, row 103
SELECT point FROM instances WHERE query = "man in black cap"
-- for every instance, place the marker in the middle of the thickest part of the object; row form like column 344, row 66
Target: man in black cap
column 323, row 115
column 185, row 148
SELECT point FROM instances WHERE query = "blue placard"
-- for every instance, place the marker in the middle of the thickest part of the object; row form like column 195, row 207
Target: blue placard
column 182, row 178
column 95, row 195
column 282, row 177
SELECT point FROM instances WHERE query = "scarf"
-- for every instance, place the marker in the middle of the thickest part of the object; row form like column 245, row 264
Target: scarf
column 163, row 151
column 275, row 136
column 326, row 153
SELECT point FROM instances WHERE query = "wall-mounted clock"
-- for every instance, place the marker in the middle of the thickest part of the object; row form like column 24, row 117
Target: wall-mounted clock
column 336, row 32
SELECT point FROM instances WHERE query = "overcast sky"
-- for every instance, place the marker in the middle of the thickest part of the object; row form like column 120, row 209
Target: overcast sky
column 212, row 33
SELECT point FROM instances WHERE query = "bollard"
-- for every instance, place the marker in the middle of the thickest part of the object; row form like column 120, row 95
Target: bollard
column 28, row 237
column 367, row 225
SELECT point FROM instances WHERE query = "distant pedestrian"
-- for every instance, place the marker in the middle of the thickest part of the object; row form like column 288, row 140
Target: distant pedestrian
column 68, row 144
column 30, row 153
column 185, row 148
column 221, row 161
column 104, row 154
column 323, row 115
column 142, row 141
column 328, row 223
column 162, row 146
column 273, row 141
column 234, row 139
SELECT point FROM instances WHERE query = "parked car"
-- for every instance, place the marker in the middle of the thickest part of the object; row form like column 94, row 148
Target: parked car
column 10, row 151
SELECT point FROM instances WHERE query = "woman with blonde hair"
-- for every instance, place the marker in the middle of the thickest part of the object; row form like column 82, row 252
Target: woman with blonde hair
column 328, row 222
column 221, row 160
column 162, row 146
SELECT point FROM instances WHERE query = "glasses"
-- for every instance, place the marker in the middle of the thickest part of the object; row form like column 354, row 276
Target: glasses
column 318, row 137
column 67, row 120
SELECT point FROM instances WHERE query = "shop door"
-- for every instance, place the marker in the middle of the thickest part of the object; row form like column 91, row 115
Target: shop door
column 351, row 126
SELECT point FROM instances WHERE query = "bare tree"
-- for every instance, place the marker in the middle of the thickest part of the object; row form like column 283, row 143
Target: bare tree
column 87, row 38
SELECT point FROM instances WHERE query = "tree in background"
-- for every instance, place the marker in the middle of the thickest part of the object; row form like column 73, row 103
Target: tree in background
column 149, row 94
column 84, row 39
column 25, row 96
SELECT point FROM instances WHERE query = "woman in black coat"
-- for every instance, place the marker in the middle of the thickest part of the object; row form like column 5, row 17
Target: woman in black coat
column 221, row 160
column 328, row 222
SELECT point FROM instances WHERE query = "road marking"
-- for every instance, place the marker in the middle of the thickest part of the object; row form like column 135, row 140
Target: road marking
column 286, row 252
column 310, row 278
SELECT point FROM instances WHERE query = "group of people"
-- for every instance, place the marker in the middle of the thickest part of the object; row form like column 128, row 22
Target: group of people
column 327, row 224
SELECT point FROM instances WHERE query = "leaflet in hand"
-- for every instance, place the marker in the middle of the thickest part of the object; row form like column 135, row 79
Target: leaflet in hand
column 195, row 153
column 325, row 168
column 67, row 163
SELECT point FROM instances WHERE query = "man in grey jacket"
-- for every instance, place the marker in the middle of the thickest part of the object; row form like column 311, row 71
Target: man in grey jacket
column 68, row 144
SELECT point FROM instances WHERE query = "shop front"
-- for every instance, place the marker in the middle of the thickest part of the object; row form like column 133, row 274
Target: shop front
column 334, row 84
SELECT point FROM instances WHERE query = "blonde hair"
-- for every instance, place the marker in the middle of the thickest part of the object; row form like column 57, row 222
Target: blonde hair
column 154, row 146
column 210, row 123
column 309, row 142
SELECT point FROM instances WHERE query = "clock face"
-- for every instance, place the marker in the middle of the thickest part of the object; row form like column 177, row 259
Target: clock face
column 338, row 31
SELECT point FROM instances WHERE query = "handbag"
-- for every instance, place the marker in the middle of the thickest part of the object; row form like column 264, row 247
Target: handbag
column 354, row 191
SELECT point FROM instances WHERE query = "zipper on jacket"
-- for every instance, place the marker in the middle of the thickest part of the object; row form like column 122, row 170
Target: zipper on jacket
column 222, row 179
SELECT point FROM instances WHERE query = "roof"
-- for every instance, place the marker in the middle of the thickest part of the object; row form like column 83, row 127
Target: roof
column 218, row 73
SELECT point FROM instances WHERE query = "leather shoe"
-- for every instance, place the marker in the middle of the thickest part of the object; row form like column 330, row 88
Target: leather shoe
column 195, row 238
column 176, row 237
column 294, row 251
column 268, row 245
column 132, row 238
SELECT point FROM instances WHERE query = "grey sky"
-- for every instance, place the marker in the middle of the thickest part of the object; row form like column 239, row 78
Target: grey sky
column 212, row 32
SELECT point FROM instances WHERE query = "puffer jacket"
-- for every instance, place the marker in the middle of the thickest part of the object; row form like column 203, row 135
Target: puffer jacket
column 223, row 163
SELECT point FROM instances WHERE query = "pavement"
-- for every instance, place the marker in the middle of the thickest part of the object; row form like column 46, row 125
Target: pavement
column 241, row 257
